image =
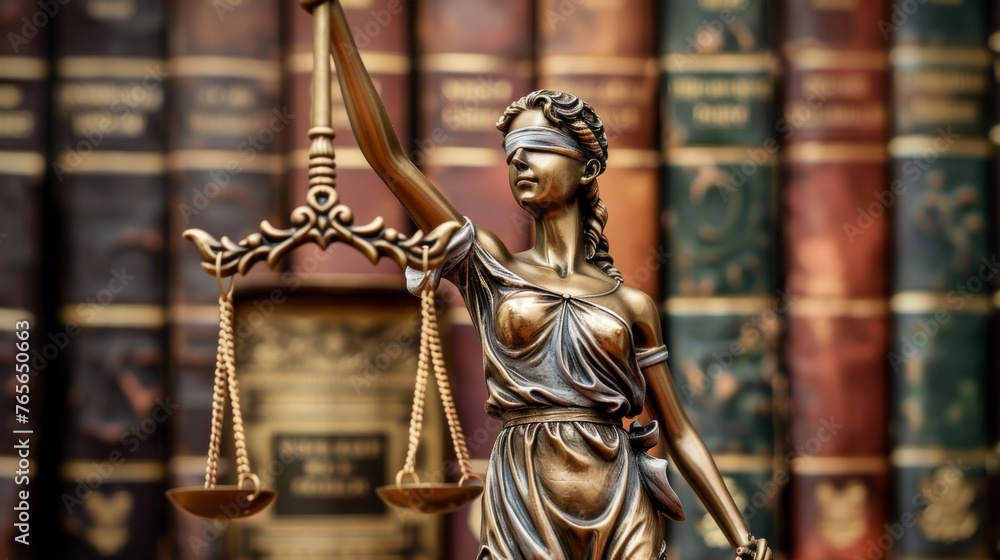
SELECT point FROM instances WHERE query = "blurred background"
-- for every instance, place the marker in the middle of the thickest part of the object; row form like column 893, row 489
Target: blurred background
column 806, row 186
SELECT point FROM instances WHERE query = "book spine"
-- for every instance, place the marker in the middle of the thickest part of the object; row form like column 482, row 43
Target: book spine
column 24, row 71
column 467, row 74
column 721, row 310
column 326, row 438
column 225, row 165
column 993, row 381
column 944, row 269
column 617, row 76
column 109, row 179
column 382, row 32
column 835, row 129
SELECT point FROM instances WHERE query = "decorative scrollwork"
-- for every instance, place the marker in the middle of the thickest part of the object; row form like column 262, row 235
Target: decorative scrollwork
column 322, row 221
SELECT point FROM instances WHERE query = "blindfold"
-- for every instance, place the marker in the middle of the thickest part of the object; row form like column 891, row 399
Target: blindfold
column 542, row 139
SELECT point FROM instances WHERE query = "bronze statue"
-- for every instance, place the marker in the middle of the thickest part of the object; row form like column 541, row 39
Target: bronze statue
column 569, row 350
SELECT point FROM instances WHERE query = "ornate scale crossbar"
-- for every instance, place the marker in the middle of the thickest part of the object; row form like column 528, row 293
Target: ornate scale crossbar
column 324, row 220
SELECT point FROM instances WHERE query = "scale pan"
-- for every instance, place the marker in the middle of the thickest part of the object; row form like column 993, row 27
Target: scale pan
column 213, row 502
column 428, row 497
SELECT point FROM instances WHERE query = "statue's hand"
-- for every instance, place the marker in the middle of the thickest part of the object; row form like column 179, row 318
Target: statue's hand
column 754, row 549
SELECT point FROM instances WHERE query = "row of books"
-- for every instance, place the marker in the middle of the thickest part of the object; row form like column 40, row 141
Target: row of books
column 806, row 186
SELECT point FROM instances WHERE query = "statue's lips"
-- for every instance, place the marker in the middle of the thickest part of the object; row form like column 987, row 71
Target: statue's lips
column 526, row 182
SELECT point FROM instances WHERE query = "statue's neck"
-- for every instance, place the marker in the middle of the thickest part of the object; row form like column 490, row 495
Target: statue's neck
column 559, row 240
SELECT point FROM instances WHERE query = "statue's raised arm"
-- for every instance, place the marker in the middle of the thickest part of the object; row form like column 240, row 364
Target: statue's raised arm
column 378, row 141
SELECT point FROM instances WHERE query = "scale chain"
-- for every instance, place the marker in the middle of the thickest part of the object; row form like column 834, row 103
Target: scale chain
column 218, row 394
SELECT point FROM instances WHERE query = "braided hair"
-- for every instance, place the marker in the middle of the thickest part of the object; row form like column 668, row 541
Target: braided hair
column 575, row 116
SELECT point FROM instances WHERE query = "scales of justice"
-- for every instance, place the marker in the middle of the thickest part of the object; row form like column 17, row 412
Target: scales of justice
column 564, row 474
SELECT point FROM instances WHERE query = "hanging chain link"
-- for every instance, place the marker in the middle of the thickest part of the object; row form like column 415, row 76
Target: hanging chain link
column 432, row 356
column 225, row 374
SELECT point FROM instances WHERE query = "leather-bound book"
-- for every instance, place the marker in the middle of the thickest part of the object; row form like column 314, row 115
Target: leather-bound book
column 228, row 122
column 722, row 309
column 835, row 128
column 24, row 71
column 474, row 57
column 382, row 31
column 944, row 271
column 327, row 385
column 109, row 102
column 605, row 53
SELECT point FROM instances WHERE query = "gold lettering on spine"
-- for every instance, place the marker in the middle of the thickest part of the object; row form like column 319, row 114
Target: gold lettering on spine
column 474, row 104
column 226, row 111
column 944, row 80
column 709, row 115
column 937, row 109
column 692, row 88
column 16, row 124
column 11, row 96
column 716, row 5
column 836, row 85
column 834, row 4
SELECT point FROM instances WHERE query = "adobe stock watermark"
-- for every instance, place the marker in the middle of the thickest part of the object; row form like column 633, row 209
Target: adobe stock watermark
column 100, row 471
column 945, row 479
column 85, row 313
column 31, row 25
column 707, row 39
column 212, row 529
column 900, row 14
column 753, row 329
column 767, row 491
column 957, row 298
column 912, row 171
column 221, row 178
column 94, row 127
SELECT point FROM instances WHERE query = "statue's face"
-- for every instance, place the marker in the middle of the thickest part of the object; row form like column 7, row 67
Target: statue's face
column 543, row 181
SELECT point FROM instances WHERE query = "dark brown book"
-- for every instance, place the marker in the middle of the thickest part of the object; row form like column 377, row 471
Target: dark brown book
column 468, row 73
column 24, row 71
column 837, row 201
column 606, row 54
column 109, row 179
column 225, row 157
column 326, row 387
column 382, row 31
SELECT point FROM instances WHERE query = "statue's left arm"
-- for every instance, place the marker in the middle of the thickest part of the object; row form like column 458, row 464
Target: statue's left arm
column 683, row 444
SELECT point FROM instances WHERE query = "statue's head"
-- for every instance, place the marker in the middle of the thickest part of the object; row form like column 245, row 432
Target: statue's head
column 560, row 123
column 568, row 113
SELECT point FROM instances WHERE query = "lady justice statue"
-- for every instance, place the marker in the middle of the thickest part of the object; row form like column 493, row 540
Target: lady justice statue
column 569, row 350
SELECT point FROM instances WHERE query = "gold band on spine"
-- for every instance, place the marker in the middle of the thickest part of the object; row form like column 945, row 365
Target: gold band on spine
column 199, row 314
column 719, row 305
column 735, row 463
column 713, row 156
column 23, row 68
column 225, row 66
column 182, row 160
column 918, row 146
column 913, row 55
column 22, row 163
column 108, row 67
column 465, row 157
column 112, row 315
column 935, row 456
column 473, row 64
column 833, row 59
column 119, row 163
column 127, row 471
column 924, row 302
column 596, row 65
column 10, row 317
column 821, row 152
column 839, row 307
column 375, row 62
column 676, row 62
column 629, row 158
column 844, row 466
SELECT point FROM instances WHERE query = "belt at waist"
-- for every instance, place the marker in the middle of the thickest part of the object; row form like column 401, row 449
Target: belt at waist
column 567, row 414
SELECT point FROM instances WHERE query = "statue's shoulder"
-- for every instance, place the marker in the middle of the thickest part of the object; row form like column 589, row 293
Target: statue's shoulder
column 492, row 244
column 642, row 308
